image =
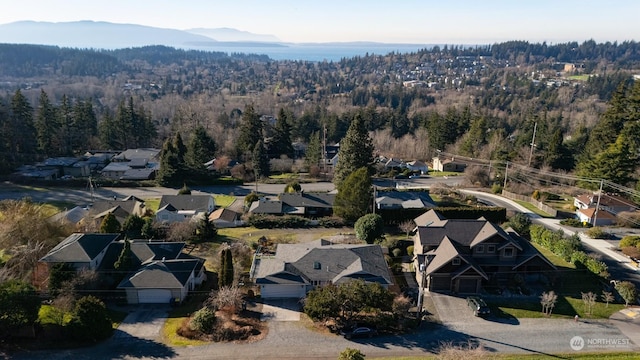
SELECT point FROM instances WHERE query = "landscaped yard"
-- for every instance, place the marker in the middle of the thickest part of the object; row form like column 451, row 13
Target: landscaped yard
column 570, row 284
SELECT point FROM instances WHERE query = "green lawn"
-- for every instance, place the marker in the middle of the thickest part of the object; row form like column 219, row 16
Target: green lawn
column 223, row 200
column 532, row 208
column 152, row 203
column 434, row 173
column 583, row 77
column 569, row 285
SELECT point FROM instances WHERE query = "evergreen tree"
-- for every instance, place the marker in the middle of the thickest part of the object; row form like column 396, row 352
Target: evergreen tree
column 611, row 123
column 313, row 154
column 169, row 173
column 475, row 138
column 201, row 148
column 19, row 306
column 356, row 151
column 46, row 125
column 280, row 143
column 85, row 124
column 180, row 149
column 354, row 196
column 132, row 226
column 66, row 126
column 228, row 272
column 109, row 224
column 260, row 161
column 616, row 164
column 125, row 263
column 108, row 131
column 22, row 136
column 250, row 131
column 206, row 229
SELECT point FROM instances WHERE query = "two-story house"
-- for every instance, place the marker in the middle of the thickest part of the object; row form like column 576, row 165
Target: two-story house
column 461, row 255
column 601, row 210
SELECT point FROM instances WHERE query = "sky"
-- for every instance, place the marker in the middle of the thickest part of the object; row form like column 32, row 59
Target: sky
column 391, row 21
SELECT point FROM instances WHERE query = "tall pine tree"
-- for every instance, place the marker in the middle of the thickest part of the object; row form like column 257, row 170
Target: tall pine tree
column 280, row 143
column 201, row 148
column 250, row 132
column 356, row 151
column 46, row 125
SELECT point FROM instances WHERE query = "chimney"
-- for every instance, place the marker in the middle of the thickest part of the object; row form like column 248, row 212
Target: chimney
column 163, row 259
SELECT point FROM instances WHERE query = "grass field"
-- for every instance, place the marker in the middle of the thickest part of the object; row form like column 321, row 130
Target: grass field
column 570, row 284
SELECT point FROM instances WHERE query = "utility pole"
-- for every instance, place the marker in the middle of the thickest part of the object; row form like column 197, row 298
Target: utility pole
column 324, row 149
column 595, row 214
column 533, row 143
column 506, row 168
column 374, row 199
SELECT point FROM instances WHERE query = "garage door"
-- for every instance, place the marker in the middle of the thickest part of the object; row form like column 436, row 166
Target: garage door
column 279, row 291
column 468, row 286
column 154, row 296
column 440, row 283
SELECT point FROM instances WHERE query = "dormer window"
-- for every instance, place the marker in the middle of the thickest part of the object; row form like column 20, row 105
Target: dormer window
column 317, row 266
column 455, row 261
column 508, row 252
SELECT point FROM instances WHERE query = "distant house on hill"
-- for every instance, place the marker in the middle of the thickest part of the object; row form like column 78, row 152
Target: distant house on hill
column 448, row 164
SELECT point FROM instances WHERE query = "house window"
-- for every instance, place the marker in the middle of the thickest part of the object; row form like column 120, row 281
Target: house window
column 491, row 248
column 316, row 265
column 455, row 261
column 508, row 252
column 480, row 249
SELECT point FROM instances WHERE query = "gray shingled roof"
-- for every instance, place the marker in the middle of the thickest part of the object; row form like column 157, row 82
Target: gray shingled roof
column 304, row 199
column 324, row 262
column 79, row 248
column 404, row 200
column 186, row 202
column 168, row 274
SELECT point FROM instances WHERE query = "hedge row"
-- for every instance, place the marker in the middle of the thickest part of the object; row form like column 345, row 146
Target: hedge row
column 569, row 249
column 291, row 222
column 394, row 217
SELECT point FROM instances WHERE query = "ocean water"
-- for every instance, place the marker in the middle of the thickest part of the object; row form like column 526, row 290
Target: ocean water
column 318, row 52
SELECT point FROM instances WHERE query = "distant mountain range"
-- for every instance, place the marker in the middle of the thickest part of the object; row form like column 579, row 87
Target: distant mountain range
column 106, row 35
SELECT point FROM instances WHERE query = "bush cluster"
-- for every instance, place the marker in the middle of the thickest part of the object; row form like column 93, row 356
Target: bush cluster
column 278, row 222
column 567, row 248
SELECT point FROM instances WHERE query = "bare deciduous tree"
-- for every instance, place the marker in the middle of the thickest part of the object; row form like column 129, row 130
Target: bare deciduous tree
column 548, row 301
column 607, row 297
column 589, row 300
column 407, row 226
column 228, row 298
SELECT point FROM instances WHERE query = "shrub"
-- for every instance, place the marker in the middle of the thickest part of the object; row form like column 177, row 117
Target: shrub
column 629, row 240
column 496, row 188
column 369, row 228
column 410, row 250
column 90, row 321
column 397, row 252
column 597, row 232
column 280, row 222
column 331, row 222
column 536, row 195
column 203, row 320
column 627, row 291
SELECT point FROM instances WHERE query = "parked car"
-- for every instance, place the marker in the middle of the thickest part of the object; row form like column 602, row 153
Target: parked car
column 359, row 332
column 478, row 306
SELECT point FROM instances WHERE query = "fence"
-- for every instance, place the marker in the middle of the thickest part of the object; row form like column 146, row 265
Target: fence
column 548, row 209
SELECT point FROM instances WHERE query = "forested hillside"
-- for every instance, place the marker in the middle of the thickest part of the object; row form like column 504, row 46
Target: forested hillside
column 480, row 102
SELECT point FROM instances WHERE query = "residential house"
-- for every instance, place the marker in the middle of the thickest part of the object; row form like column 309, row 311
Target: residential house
column 393, row 163
column 302, row 203
column 82, row 251
column 462, row 256
column 391, row 200
column 296, row 269
column 608, row 206
column 178, row 208
column 133, row 164
column 121, row 209
column 419, row 166
column 225, row 217
column 162, row 272
column 448, row 164
column 72, row 216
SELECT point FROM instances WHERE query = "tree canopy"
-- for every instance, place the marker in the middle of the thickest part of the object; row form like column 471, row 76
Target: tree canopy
column 354, row 196
column 356, row 151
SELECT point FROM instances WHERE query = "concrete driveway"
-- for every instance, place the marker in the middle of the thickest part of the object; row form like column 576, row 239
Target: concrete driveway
column 281, row 310
column 143, row 322
column 452, row 309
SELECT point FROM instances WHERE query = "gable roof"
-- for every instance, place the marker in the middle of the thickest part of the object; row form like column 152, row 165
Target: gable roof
column 465, row 232
column 224, row 214
column 431, row 217
column 79, row 248
column 324, row 262
column 305, row 199
column 168, row 274
column 187, row 202
column 446, row 252
column 130, row 206
column 71, row 216
column 263, row 206
column 143, row 252
column 404, row 199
